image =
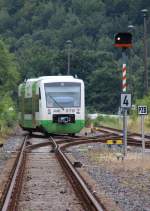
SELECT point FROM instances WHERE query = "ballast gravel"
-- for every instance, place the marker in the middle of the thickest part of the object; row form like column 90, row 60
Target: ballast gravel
column 45, row 186
column 126, row 181
column 10, row 145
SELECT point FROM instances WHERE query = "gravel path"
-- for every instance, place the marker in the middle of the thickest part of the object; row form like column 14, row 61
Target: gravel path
column 11, row 144
column 45, row 187
column 127, row 181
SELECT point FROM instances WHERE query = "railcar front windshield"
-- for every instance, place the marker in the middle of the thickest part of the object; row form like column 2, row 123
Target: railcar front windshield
column 62, row 94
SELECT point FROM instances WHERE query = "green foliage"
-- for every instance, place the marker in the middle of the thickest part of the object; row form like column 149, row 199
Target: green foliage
column 8, row 70
column 104, row 96
column 8, row 85
column 88, row 122
column 108, row 121
column 36, row 31
column 7, row 112
column 144, row 101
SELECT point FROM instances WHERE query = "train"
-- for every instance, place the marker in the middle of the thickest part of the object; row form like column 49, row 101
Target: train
column 52, row 104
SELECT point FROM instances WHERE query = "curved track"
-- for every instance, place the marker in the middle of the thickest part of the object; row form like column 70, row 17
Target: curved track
column 12, row 193
column 60, row 143
column 133, row 139
column 90, row 202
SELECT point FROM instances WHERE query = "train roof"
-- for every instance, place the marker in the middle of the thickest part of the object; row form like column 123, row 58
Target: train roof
column 47, row 79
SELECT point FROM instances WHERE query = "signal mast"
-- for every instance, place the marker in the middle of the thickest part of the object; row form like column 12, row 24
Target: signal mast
column 123, row 40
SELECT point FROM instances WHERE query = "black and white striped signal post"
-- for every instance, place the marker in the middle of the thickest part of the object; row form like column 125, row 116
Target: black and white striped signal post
column 123, row 40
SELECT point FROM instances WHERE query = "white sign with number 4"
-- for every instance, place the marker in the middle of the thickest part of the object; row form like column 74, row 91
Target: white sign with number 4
column 125, row 100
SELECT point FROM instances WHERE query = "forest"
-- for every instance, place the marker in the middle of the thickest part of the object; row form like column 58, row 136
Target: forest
column 33, row 42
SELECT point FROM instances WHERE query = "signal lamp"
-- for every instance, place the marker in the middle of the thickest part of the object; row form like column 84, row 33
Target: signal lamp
column 123, row 40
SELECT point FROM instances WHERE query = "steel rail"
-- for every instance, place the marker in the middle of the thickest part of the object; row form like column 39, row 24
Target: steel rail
column 91, row 200
column 84, row 191
column 103, row 138
column 14, row 187
column 132, row 137
column 64, row 161
column 34, row 146
column 8, row 197
column 116, row 131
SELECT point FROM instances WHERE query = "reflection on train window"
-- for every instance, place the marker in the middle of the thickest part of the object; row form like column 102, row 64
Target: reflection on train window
column 63, row 94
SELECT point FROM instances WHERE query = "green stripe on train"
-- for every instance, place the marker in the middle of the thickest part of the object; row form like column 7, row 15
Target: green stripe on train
column 26, row 123
column 51, row 127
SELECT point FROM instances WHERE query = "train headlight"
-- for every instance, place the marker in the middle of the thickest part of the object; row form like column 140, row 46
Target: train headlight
column 63, row 119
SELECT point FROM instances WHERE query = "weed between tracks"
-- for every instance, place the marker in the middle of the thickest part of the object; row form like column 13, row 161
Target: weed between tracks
column 114, row 157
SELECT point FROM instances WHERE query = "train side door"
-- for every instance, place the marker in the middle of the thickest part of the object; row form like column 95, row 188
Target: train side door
column 33, row 104
column 22, row 103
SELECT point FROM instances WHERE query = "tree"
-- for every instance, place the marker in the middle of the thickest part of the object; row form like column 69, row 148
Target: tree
column 8, row 85
column 8, row 70
column 36, row 31
column 105, row 87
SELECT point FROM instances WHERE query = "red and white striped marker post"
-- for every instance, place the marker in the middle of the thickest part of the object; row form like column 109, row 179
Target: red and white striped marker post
column 124, row 89
column 124, row 40
column 124, row 78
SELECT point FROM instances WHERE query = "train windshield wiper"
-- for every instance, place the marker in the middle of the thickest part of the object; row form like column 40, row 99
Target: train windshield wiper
column 60, row 106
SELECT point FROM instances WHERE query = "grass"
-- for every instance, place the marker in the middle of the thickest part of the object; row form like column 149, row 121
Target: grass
column 134, row 124
column 5, row 133
column 108, row 121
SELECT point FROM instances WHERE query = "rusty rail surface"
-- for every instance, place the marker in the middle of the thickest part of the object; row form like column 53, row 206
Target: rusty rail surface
column 73, row 175
column 133, row 139
column 116, row 131
column 13, row 189
column 11, row 195
column 88, row 199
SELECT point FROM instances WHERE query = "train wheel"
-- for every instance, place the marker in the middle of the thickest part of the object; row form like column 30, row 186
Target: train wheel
column 72, row 134
column 30, row 132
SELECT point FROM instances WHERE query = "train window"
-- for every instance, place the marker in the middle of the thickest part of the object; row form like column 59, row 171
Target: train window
column 66, row 95
column 28, row 105
column 39, row 93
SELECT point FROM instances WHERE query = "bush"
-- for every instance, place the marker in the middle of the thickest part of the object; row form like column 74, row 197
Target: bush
column 144, row 101
column 7, row 112
column 107, row 121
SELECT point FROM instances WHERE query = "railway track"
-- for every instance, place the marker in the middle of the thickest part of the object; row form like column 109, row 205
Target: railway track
column 58, row 144
column 119, row 132
column 89, row 201
column 11, row 196
column 133, row 139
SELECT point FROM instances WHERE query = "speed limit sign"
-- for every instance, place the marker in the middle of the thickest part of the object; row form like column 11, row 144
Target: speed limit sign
column 125, row 100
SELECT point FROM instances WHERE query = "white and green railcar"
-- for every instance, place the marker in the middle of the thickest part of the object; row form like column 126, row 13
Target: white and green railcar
column 52, row 104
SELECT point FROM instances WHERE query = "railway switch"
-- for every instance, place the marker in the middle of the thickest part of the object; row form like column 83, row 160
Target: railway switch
column 1, row 143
